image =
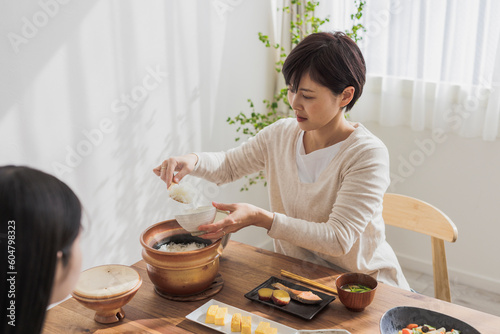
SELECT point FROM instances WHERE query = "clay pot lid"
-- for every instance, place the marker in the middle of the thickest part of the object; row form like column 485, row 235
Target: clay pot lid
column 106, row 281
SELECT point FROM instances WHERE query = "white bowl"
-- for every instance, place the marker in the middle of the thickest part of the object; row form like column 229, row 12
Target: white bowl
column 193, row 218
column 218, row 217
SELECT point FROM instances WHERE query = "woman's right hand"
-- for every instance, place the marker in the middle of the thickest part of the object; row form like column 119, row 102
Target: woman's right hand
column 183, row 165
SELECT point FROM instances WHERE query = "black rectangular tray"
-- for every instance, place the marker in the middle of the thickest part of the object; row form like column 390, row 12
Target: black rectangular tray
column 305, row 311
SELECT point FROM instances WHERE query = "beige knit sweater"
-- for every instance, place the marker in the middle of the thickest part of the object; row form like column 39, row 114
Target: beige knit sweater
column 335, row 221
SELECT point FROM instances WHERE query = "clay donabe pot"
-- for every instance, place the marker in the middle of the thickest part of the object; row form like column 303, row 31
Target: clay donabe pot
column 179, row 273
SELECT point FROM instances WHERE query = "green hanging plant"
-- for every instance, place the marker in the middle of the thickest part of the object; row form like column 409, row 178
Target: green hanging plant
column 301, row 25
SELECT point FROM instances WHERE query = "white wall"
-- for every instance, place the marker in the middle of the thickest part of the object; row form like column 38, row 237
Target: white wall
column 61, row 84
column 461, row 177
column 248, row 72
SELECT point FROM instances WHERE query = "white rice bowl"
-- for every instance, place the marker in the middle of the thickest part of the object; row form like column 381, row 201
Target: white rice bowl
column 191, row 219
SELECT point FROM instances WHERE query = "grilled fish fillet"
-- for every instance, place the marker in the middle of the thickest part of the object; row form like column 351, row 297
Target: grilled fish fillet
column 306, row 297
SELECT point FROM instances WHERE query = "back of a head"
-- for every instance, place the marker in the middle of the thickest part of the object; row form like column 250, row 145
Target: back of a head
column 41, row 215
column 331, row 59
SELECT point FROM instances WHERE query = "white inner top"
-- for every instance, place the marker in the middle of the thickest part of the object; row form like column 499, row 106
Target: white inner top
column 311, row 165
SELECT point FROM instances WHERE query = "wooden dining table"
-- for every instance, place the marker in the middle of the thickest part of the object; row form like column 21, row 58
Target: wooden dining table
column 242, row 268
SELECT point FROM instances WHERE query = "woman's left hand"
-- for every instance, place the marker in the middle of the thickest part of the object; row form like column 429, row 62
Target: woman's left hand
column 240, row 215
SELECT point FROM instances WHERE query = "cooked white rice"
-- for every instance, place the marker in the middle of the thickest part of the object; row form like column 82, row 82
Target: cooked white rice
column 175, row 247
column 183, row 194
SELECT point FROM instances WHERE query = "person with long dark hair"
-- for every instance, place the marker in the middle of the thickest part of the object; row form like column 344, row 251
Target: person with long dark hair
column 41, row 257
column 326, row 176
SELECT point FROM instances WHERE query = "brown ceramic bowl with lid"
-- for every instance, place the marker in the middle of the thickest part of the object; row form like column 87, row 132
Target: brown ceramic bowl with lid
column 105, row 289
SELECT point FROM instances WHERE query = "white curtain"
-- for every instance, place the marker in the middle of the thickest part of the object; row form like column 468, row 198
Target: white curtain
column 99, row 92
column 430, row 64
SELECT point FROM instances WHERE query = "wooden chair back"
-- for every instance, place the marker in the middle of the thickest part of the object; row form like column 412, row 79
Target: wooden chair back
column 416, row 215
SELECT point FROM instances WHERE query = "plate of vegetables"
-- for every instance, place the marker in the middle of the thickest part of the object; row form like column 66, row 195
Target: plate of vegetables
column 414, row 320
column 414, row 328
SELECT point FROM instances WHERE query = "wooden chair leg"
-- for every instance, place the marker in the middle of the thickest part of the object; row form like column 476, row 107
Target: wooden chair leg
column 440, row 268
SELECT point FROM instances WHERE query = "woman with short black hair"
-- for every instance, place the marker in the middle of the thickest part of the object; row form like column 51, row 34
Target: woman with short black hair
column 326, row 176
column 331, row 60
column 41, row 217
